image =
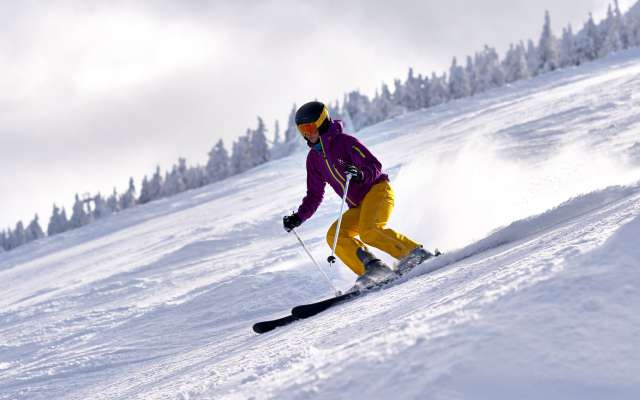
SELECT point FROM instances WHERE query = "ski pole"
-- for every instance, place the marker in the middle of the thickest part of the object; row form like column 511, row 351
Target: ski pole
column 332, row 257
column 337, row 292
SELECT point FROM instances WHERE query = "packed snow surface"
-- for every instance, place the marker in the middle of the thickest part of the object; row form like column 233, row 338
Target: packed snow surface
column 531, row 190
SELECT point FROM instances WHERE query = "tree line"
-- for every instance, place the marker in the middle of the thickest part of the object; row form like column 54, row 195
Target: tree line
column 481, row 72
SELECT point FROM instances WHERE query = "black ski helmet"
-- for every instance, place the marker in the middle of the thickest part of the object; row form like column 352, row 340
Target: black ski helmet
column 314, row 112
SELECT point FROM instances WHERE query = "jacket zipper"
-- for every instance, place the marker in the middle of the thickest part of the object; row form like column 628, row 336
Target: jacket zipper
column 324, row 155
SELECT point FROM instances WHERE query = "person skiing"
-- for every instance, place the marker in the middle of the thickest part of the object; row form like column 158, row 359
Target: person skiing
column 333, row 154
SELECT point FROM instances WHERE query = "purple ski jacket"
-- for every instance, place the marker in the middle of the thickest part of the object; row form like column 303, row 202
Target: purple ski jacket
column 327, row 164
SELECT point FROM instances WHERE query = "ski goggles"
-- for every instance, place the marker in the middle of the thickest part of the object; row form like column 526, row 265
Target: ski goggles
column 310, row 128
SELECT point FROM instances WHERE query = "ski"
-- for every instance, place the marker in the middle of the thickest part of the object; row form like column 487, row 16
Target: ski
column 309, row 310
column 266, row 326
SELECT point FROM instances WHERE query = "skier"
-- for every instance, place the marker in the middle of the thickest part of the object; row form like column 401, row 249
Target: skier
column 333, row 154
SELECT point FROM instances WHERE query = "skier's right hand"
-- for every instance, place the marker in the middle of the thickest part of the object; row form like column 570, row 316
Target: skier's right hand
column 291, row 221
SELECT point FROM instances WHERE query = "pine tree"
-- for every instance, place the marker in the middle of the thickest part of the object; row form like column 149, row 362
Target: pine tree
column 64, row 222
column 276, row 133
column 4, row 241
column 458, row 81
column 488, row 69
column 397, row 97
column 625, row 37
column 112, row 203
column 291, row 134
column 610, row 33
column 34, row 231
column 587, row 42
column 196, row 177
column 547, row 48
column 128, row 199
column 19, row 235
column 383, row 107
column 358, row 106
column 156, row 185
column 174, row 182
column 438, row 91
column 79, row 217
column 259, row 150
column 532, row 58
column 471, row 72
column 54, row 222
column 632, row 24
column 568, row 48
column 218, row 166
column 346, row 116
column 145, row 191
column 413, row 86
column 515, row 64
column 101, row 209
column 240, row 157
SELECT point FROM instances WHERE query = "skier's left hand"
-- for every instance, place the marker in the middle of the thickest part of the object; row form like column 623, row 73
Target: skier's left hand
column 357, row 175
column 291, row 221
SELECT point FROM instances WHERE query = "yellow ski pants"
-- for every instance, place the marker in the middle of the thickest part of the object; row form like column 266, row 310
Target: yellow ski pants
column 368, row 220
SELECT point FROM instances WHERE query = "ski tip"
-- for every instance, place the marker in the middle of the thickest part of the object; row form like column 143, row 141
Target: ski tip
column 261, row 328
column 266, row 326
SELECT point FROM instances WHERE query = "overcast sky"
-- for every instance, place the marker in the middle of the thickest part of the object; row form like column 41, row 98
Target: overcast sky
column 92, row 93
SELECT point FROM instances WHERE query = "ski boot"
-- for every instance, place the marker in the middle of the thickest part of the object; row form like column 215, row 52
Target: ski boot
column 415, row 258
column 376, row 271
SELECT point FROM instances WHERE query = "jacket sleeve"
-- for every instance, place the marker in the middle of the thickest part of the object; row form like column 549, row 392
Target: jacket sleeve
column 362, row 158
column 315, row 191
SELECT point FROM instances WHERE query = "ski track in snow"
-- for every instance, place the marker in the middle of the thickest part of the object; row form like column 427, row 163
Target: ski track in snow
column 158, row 301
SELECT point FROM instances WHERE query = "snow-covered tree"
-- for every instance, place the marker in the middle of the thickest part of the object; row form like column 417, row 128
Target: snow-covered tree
column 438, row 91
column 515, row 64
column 101, row 209
column 112, row 202
column 34, row 231
column 174, row 182
column 489, row 72
column 128, row 199
column 547, row 48
column 568, row 55
column 291, row 133
column 276, row 133
column 145, row 191
column 259, row 149
column 357, row 106
column 624, row 29
column 195, row 177
column 218, row 166
column 458, row 81
column 58, row 222
column 19, row 236
column 532, row 58
column 471, row 72
column 155, row 185
column 241, row 155
column 587, row 42
column 632, row 25
column 9, row 240
column 610, row 34
column 383, row 107
column 79, row 217
column 4, row 241
column 411, row 94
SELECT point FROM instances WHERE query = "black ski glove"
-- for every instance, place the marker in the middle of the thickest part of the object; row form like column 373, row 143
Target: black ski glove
column 357, row 175
column 291, row 221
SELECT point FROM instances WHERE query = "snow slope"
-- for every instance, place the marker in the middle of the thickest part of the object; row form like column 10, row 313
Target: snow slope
column 532, row 190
